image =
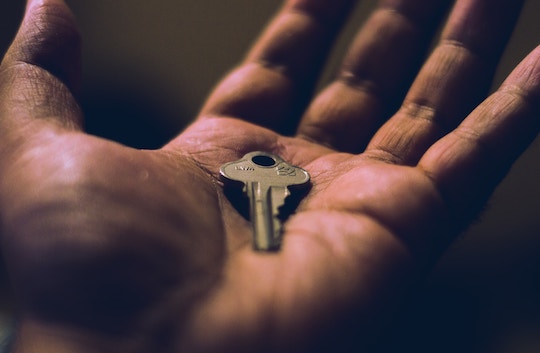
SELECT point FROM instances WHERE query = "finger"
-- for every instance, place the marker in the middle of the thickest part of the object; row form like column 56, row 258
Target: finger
column 375, row 74
column 278, row 75
column 468, row 163
column 453, row 81
column 41, row 71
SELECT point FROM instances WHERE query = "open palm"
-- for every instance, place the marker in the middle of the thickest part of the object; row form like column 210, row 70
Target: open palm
column 115, row 249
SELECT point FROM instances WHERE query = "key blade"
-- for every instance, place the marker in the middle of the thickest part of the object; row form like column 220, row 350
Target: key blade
column 262, row 222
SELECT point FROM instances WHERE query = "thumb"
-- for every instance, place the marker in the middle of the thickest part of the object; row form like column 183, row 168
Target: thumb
column 41, row 72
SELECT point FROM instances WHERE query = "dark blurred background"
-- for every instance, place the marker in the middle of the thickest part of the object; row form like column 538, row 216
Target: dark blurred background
column 148, row 67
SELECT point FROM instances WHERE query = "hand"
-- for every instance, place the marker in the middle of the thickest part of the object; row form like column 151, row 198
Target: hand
column 112, row 249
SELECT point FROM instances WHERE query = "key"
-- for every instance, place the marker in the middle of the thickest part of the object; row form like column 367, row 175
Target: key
column 266, row 179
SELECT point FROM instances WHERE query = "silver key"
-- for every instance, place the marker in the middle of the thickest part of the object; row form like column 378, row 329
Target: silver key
column 266, row 178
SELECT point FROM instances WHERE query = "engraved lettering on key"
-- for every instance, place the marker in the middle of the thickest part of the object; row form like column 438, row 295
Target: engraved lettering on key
column 245, row 168
column 266, row 178
column 286, row 170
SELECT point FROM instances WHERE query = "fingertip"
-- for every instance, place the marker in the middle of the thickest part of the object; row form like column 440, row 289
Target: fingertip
column 45, row 9
column 526, row 76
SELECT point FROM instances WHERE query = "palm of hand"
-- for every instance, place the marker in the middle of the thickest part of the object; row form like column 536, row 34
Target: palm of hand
column 155, row 225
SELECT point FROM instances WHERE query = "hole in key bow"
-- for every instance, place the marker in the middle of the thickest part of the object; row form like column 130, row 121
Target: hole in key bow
column 264, row 161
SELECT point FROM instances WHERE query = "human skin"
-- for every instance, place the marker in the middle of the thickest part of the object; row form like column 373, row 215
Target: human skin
column 114, row 249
